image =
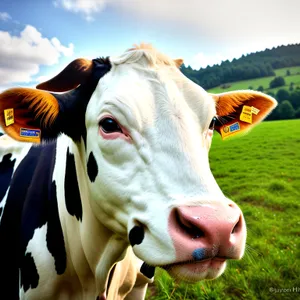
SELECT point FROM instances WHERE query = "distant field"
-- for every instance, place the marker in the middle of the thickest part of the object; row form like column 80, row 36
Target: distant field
column 260, row 172
column 264, row 81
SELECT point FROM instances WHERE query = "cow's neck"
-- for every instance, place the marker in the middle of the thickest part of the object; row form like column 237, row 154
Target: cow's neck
column 91, row 246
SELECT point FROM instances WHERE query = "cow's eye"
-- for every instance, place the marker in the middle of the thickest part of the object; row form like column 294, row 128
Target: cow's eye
column 109, row 125
column 212, row 123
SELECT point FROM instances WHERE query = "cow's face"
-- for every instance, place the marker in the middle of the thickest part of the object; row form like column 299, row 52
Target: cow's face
column 148, row 133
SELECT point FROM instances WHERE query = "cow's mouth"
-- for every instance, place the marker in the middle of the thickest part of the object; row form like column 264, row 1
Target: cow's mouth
column 193, row 271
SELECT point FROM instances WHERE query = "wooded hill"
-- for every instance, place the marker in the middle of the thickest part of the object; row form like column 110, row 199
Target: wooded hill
column 254, row 65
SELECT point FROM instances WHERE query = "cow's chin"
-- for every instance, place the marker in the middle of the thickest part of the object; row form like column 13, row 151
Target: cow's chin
column 197, row 271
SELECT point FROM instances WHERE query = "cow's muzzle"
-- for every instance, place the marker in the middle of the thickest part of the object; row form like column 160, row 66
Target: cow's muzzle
column 205, row 236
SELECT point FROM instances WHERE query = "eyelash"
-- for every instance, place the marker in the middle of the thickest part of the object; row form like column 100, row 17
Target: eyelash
column 212, row 123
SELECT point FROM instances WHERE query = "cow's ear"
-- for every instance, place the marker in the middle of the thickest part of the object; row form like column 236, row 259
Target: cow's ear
column 70, row 77
column 178, row 62
column 239, row 111
column 29, row 114
column 25, row 113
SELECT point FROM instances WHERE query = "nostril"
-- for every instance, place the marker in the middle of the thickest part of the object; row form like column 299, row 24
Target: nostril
column 188, row 227
column 238, row 226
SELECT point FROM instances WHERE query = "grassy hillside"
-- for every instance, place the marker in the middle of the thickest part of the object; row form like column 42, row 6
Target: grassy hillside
column 264, row 81
column 260, row 172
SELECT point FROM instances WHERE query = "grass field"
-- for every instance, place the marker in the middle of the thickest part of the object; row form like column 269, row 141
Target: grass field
column 264, row 81
column 261, row 173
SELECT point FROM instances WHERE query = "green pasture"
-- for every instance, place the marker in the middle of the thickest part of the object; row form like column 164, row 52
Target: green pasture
column 264, row 81
column 260, row 171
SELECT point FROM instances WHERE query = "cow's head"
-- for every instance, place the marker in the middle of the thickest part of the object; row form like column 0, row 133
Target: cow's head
column 146, row 131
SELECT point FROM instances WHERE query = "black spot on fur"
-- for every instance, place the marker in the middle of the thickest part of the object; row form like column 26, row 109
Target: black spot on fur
column 110, row 277
column 27, row 208
column 6, row 171
column 92, row 167
column 55, row 238
column 147, row 270
column 136, row 235
column 37, row 208
column 10, row 233
column 29, row 274
column 72, row 194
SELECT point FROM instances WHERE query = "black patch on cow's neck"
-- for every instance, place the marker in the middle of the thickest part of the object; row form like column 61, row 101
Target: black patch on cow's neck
column 36, row 209
column 29, row 274
column 136, row 235
column 55, row 238
column 92, row 167
column 72, row 193
column 30, row 205
column 6, row 171
column 147, row 270
column 10, row 233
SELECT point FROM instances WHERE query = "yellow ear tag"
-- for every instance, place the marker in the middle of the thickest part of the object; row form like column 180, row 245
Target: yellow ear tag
column 9, row 116
column 227, row 130
column 255, row 110
column 246, row 114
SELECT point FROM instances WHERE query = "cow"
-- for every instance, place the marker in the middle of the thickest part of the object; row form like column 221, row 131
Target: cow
column 105, row 175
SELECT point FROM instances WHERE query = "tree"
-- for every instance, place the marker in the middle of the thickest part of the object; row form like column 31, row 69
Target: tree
column 295, row 98
column 274, row 115
column 271, row 94
column 282, row 95
column 276, row 82
column 260, row 88
column 286, row 110
column 297, row 113
column 288, row 73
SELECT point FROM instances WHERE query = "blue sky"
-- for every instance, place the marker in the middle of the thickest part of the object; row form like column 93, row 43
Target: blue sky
column 39, row 37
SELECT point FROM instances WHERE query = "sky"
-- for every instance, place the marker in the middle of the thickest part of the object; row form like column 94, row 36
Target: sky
column 38, row 38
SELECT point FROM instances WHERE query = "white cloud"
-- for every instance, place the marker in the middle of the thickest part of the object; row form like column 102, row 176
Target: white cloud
column 86, row 7
column 66, row 51
column 234, row 26
column 4, row 16
column 201, row 60
column 21, row 56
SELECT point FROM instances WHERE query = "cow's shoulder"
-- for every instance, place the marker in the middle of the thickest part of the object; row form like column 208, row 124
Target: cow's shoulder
column 11, row 154
column 30, row 215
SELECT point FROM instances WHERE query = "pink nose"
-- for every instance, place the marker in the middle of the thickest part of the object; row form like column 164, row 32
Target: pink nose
column 207, row 231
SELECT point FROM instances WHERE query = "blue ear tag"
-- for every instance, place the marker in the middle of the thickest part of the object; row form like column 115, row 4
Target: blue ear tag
column 30, row 133
column 230, row 129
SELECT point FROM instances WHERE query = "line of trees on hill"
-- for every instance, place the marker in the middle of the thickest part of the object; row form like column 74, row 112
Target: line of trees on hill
column 254, row 65
column 288, row 105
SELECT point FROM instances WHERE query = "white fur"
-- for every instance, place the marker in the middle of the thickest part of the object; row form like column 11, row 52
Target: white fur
column 165, row 165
